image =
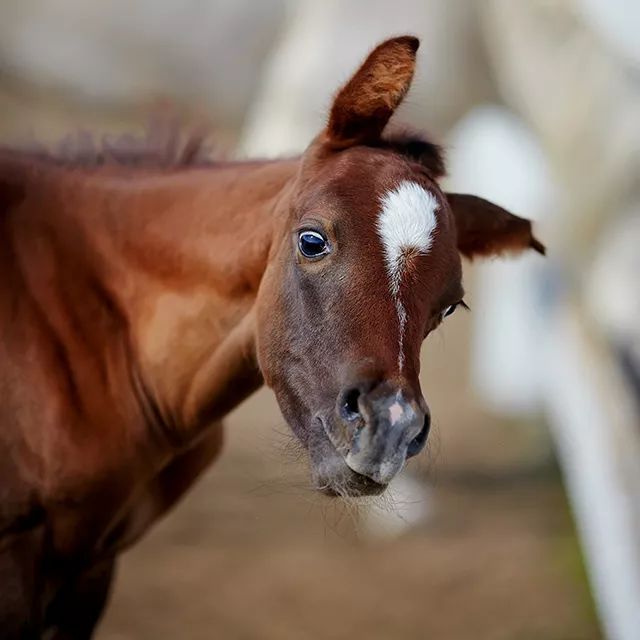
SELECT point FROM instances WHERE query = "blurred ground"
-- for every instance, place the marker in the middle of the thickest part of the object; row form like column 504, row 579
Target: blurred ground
column 253, row 554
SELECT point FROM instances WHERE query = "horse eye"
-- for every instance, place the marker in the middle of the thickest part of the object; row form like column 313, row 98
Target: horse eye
column 452, row 307
column 312, row 244
column 449, row 310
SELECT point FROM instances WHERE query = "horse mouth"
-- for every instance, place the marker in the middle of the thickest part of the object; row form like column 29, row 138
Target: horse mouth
column 356, row 486
column 331, row 474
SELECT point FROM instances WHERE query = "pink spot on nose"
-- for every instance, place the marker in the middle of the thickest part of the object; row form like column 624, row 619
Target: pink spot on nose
column 395, row 412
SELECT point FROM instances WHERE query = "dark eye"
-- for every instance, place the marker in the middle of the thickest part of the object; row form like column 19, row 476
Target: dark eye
column 449, row 310
column 312, row 244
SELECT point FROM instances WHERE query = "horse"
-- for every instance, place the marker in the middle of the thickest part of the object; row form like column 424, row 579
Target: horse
column 143, row 298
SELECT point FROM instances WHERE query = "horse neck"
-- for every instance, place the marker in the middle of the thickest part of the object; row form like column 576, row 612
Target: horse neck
column 183, row 255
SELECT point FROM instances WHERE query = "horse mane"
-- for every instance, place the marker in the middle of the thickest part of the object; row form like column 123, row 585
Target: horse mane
column 168, row 143
column 164, row 144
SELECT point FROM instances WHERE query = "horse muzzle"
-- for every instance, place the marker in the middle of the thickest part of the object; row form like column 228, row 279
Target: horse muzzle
column 376, row 430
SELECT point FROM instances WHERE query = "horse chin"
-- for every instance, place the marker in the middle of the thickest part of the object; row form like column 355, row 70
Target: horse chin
column 333, row 477
column 353, row 486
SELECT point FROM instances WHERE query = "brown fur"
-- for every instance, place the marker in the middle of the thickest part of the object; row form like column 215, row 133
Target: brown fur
column 364, row 105
column 486, row 229
column 145, row 295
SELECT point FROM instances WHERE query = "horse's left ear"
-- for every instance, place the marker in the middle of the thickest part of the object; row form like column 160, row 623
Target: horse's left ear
column 362, row 108
column 486, row 229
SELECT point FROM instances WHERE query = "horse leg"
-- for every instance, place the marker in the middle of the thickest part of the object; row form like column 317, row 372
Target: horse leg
column 77, row 607
column 21, row 584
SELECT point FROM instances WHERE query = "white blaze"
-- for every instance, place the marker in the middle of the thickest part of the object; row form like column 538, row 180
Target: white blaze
column 406, row 225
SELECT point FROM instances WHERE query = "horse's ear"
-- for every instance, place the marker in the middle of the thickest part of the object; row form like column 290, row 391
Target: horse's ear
column 486, row 229
column 362, row 108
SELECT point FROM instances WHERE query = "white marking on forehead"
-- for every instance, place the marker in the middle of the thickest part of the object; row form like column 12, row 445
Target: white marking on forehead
column 406, row 226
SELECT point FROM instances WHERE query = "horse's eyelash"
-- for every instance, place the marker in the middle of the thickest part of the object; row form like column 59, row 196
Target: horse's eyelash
column 464, row 305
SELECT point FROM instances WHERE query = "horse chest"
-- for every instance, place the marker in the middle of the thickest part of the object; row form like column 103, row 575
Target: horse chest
column 152, row 499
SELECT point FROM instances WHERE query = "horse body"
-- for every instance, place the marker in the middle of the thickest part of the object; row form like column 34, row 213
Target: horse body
column 121, row 287
column 139, row 306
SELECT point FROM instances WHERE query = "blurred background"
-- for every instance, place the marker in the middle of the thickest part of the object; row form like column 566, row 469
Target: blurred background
column 522, row 520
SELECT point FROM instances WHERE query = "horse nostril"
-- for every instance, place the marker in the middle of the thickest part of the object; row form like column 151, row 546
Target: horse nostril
column 349, row 406
column 417, row 444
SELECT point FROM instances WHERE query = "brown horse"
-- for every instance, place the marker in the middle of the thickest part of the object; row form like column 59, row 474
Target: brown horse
column 139, row 305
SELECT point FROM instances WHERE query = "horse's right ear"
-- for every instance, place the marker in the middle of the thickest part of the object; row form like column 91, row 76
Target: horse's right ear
column 364, row 105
